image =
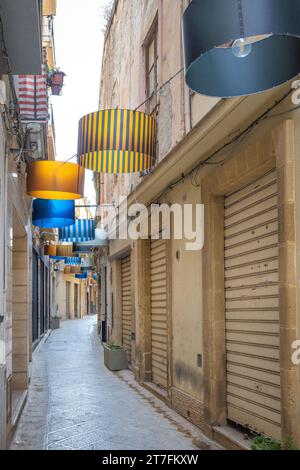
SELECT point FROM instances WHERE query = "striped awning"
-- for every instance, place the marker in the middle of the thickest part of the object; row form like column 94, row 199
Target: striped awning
column 117, row 141
column 82, row 231
column 33, row 95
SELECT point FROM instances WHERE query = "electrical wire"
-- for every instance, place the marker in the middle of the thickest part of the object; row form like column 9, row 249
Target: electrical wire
column 156, row 92
column 195, row 170
column 18, row 129
column 144, row 102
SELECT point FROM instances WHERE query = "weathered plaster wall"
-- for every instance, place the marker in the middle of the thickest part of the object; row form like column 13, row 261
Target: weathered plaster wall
column 123, row 81
column 186, row 309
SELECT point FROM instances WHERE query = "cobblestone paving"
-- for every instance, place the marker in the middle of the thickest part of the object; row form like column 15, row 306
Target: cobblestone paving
column 74, row 402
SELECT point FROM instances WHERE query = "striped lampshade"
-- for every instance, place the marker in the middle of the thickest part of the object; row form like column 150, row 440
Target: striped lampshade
column 73, row 261
column 82, row 231
column 65, row 250
column 117, row 141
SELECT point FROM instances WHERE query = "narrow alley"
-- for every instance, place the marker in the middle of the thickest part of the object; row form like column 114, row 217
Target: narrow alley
column 150, row 229
column 81, row 405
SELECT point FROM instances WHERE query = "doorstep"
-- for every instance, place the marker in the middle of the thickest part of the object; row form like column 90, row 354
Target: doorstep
column 18, row 400
column 157, row 391
column 230, row 438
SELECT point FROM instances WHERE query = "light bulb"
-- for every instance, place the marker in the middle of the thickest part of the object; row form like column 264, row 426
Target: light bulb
column 241, row 48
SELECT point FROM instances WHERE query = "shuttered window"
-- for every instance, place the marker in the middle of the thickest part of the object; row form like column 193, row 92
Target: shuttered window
column 159, row 341
column 126, row 305
column 252, row 306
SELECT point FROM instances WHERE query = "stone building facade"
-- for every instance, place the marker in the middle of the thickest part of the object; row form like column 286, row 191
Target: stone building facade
column 211, row 331
column 25, row 274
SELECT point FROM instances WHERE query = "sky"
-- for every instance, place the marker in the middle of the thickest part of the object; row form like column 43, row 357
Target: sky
column 78, row 46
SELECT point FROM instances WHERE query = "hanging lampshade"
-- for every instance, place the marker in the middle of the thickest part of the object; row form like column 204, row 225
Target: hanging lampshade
column 58, row 258
column 55, row 180
column 74, row 261
column 240, row 47
column 81, row 276
column 117, row 141
column 65, row 250
column 83, row 230
column 53, row 214
column 75, row 269
column 50, row 250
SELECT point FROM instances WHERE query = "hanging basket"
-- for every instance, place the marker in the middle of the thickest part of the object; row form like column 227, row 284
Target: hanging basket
column 57, row 78
column 57, row 82
column 56, row 90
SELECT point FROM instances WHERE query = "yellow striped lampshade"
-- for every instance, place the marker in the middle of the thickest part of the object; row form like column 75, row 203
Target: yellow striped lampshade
column 117, row 141
column 65, row 250
column 55, row 180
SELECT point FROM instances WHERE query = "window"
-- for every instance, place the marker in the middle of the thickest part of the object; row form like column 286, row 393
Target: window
column 151, row 69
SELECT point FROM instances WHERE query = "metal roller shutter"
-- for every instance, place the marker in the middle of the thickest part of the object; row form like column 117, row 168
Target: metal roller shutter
column 68, row 300
column 159, row 312
column 252, row 306
column 126, row 305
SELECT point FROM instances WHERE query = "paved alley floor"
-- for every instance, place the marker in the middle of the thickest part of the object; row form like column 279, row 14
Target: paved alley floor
column 74, row 402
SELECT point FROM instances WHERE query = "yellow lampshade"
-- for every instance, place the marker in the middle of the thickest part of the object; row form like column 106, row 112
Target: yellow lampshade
column 117, row 141
column 65, row 250
column 75, row 270
column 55, row 180
column 50, row 250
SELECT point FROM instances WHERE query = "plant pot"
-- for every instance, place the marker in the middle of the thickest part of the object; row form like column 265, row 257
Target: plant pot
column 56, row 90
column 55, row 323
column 115, row 359
column 57, row 78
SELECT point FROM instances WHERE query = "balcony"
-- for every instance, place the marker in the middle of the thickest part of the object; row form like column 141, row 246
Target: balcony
column 21, row 23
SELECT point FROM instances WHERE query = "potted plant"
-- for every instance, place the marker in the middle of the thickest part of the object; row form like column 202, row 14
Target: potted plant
column 56, row 81
column 263, row 442
column 55, row 322
column 115, row 357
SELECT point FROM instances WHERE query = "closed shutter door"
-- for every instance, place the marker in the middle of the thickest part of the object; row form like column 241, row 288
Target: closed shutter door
column 252, row 306
column 68, row 295
column 35, row 296
column 159, row 312
column 126, row 305
column 75, row 300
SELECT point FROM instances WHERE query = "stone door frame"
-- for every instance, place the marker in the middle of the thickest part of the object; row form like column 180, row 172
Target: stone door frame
column 274, row 151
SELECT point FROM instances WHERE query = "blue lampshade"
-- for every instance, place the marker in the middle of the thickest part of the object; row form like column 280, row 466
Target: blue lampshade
column 58, row 258
column 82, row 231
column 81, row 276
column 53, row 214
column 73, row 261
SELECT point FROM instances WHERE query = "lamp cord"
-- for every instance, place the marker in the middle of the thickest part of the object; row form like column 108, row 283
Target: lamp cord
column 156, row 92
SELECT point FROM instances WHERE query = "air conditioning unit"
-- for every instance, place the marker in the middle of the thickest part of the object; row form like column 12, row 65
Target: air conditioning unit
column 36, row 143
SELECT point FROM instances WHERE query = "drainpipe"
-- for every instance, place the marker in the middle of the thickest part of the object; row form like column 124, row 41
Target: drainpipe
column 187, row 96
